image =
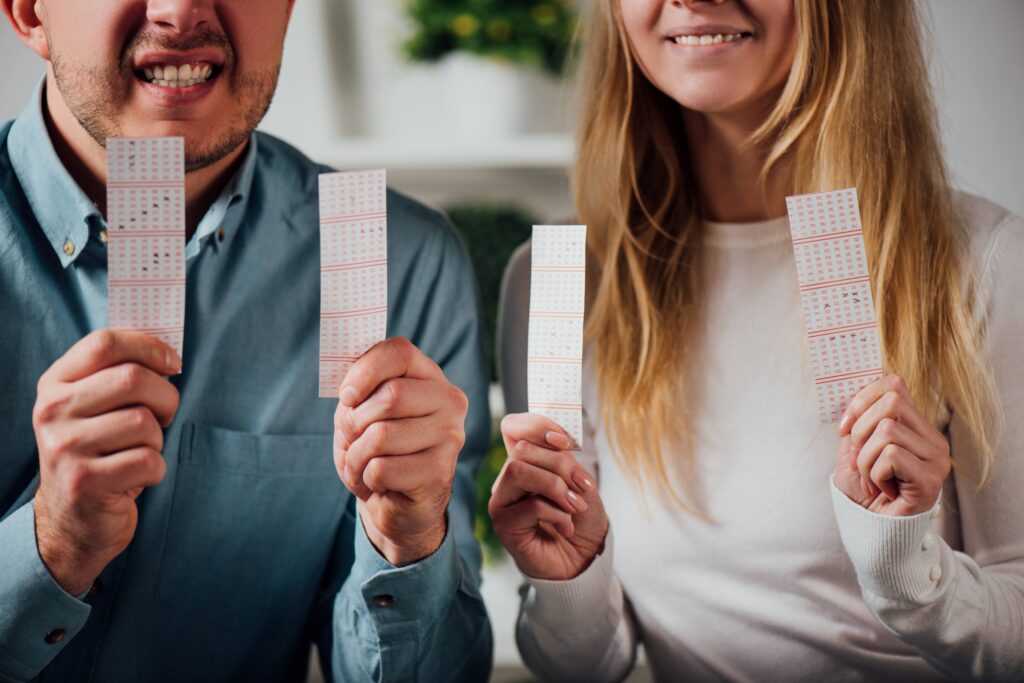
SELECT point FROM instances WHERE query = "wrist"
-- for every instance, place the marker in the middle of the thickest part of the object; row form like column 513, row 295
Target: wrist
column 73, row 569
column 404, row 549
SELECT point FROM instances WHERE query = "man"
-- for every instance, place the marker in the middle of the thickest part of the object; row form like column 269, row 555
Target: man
column 169, row 521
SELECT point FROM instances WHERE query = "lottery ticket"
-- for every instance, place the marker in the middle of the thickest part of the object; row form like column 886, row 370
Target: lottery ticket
column 353, row 271
column 835, row 291
column 555, row 340
column 146, row 236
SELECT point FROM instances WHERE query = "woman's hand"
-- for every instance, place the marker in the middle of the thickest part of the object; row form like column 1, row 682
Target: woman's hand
column 545, row 507
column 891, row 459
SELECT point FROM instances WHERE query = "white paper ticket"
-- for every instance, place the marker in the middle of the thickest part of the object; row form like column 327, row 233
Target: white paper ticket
column 555, row 343
column 353, row 271
column 146, row 236
column 835, row 290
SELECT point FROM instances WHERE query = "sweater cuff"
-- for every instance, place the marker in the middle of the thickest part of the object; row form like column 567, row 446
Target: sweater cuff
column 896, row 558
column 578, row 601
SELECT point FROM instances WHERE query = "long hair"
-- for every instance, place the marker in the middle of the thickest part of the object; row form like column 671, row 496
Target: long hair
column 856, row 110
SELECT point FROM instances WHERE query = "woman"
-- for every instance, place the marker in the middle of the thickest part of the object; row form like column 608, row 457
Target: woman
column 728, row 531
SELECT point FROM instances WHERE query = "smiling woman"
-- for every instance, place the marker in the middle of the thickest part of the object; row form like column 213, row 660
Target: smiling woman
column 751, row 542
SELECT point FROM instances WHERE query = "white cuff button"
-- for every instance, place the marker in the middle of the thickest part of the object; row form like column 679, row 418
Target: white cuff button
column 936, row 573
column 927, row 542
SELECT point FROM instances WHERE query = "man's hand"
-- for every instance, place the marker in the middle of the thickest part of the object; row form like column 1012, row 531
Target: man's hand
column 398, row 431
column 97, row 418
column 891, row 460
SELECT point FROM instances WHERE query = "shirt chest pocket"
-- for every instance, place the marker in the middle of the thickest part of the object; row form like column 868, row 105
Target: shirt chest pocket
column 251, row 525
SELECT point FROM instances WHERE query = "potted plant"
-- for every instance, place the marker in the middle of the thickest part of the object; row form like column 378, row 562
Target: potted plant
column 489, row 51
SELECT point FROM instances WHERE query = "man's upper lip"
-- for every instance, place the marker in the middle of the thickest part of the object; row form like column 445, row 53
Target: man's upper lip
column 705, row 30
column 176, row 58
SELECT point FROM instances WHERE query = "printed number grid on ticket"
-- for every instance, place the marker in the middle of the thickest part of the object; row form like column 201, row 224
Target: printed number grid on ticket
column 555, row 342
column 146, row 236
column 835, row 291
column 353, row 271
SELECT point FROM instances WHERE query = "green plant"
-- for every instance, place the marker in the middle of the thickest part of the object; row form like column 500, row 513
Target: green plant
column 491, row 233
column 532, row 32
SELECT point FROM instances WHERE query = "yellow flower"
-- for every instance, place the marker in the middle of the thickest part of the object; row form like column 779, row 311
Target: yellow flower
column 544, row 14
column 499, row 29
column 464, row 25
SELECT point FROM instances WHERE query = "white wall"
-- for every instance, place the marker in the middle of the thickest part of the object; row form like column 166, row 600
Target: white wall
column 338, row 49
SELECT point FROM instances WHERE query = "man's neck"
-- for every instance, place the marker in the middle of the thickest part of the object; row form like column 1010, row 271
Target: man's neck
column 728, row 169
column 86, row 161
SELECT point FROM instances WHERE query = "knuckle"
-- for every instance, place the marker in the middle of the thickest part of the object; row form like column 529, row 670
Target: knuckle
column 78, row 481
column 138, row 419
column 895, row 382
column 891, row 400
column 48, row 407
column 519, row 450
column 890, row 451
column 373, row 474
column 391, row 395
column 456, row 435
column 129, row 377
column 459, row 399
column 102, row 344
column 887, row 427
column 377, row 436
column 515, row 468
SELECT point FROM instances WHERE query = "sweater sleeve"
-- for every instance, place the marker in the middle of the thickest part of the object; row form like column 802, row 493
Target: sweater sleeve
column 963, row 610
column 581, row 629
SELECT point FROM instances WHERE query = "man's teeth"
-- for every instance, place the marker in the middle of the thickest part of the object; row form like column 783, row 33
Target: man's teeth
column 708, row 39
column 173, row 76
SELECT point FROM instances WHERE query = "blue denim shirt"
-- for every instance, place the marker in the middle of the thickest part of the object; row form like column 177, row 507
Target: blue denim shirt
column 251, row 548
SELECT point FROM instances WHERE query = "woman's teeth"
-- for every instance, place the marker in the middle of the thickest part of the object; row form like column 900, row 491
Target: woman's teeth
column 708, row 39
column 172, row 76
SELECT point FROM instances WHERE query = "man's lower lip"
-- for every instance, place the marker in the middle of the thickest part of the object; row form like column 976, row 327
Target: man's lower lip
column 171, row 95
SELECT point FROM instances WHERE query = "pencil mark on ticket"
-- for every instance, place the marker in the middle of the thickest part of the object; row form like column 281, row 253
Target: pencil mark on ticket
column 353, row 271
column 146, row 236
column 555, row 342
column 835, row 291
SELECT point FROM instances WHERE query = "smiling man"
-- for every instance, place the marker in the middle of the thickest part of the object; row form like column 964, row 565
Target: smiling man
column 163, row 521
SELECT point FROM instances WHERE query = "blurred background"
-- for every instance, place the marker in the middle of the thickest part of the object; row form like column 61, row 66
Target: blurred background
column 470, row 107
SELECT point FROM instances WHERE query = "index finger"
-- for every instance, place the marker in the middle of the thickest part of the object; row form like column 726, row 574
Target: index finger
column 105, row 348
column 391, row 358
column 535, row 428
column 866, row 398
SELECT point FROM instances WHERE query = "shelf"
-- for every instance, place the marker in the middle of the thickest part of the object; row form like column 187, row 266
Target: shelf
column 534, row 151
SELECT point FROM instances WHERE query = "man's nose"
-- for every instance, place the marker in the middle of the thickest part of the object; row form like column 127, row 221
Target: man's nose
column 180, row 16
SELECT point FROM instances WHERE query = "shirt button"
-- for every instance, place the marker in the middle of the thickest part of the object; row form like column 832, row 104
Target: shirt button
column 383, row 600
column 928, row 542
column 936, row 573
column 69, row 247
column 96, row 588
column 103, row 236
column 54, row 636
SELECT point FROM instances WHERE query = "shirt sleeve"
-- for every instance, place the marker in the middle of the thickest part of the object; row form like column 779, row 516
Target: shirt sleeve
column 962, row 610
column 37, row 618
column 427, row 621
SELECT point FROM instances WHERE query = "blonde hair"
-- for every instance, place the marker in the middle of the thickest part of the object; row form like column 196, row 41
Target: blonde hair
column 856, row 111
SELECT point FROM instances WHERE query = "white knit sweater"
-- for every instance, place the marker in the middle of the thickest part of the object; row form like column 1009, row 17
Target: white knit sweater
column 790, row 580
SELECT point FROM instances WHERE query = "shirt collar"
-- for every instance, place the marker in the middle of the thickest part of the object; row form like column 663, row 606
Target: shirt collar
column 60, row 206
column 63, row 210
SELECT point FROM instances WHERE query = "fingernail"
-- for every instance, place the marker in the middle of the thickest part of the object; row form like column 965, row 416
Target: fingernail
column 842, row 422
column 581, row 480
column 348, row 396
column 173, row 362
column 559, row 441
column 577, row 503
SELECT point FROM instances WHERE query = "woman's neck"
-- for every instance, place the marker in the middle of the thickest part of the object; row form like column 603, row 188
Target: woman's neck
column 728, row 169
